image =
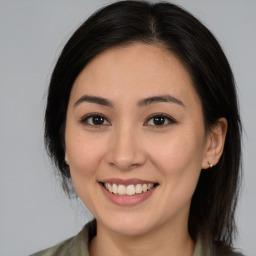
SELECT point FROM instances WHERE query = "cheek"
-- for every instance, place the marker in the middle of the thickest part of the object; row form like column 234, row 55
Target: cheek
column 84, row 153
column 178, row 155
column 179, row 163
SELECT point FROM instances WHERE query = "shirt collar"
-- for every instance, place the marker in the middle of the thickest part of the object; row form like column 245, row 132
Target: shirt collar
column 202, row 247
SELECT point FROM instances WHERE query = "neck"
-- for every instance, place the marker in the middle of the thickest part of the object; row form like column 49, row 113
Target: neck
column 163, row 241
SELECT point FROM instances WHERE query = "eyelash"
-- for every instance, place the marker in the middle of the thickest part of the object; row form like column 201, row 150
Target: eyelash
column 167, row 118
column 85, row 120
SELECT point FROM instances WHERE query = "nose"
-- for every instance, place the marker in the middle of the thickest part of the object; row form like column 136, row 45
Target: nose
column 126, row 150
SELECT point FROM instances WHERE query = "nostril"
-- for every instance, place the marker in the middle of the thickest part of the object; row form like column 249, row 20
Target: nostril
column 125, row 155
column 124, row 166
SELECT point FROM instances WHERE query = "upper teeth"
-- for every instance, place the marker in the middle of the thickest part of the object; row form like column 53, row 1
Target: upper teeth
column 128, row 190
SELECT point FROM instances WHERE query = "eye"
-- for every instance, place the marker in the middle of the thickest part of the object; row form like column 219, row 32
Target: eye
column 159, row 120
column 95, row 120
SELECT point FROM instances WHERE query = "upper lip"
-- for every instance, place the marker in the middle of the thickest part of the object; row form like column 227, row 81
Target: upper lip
column 127, row 182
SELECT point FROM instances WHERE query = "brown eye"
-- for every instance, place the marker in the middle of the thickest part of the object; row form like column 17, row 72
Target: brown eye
column 159, row 120
column 95, row 120
column 98, row 120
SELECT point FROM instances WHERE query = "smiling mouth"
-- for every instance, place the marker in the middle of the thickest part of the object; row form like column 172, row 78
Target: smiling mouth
column 128, row 190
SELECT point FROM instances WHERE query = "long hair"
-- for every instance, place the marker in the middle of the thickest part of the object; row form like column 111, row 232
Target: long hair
column 214, row 201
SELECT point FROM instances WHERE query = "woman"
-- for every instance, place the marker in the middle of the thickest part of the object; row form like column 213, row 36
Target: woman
column 142, row 119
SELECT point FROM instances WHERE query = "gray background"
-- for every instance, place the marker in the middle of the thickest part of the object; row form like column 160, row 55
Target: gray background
column 34, row 213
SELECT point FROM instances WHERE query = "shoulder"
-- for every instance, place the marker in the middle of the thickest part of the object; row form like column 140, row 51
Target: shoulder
column 77, row 245
column 205, row 248
column 218, row 251
column 61, row 249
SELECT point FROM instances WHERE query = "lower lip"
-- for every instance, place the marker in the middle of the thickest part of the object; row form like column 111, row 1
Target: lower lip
column 127, row 200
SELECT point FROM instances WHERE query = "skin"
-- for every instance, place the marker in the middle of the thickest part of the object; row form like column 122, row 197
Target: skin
column 128, row 144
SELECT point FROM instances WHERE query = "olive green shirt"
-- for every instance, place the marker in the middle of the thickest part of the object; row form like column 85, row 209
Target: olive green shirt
column 79, row 245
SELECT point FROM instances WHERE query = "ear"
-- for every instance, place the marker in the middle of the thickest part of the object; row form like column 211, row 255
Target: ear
column 214, row 145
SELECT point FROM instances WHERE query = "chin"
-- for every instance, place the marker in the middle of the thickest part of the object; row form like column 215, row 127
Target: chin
column 128, row 225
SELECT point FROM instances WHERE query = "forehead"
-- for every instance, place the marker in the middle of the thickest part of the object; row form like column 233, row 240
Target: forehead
column 135, row 71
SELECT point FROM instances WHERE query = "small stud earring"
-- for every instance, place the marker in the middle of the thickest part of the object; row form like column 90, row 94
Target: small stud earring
column 210, row 164
column 66, row 159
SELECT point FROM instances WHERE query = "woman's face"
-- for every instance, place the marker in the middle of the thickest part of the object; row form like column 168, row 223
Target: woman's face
column 135, row 124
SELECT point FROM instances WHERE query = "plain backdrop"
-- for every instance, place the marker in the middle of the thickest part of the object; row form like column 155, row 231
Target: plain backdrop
column 34, row 212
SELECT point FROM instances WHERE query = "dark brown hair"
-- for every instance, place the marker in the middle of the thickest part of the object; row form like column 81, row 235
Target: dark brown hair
column 214, row 201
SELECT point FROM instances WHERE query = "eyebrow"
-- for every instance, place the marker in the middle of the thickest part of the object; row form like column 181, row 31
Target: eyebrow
column 159, row 99
column 141, row 103
column 94, row 99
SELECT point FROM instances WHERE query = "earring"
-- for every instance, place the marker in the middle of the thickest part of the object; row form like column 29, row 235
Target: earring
column 210, row 164
column 66, row 159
